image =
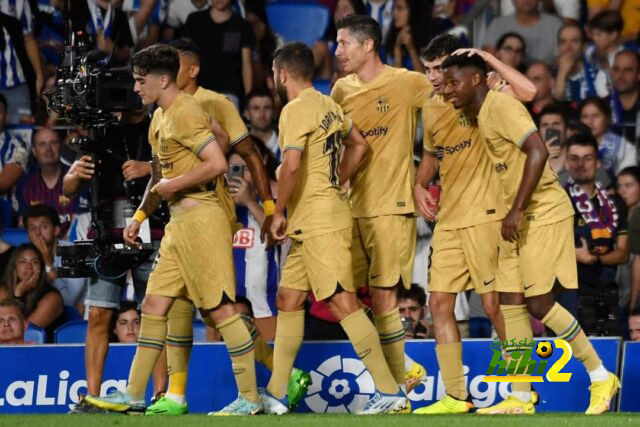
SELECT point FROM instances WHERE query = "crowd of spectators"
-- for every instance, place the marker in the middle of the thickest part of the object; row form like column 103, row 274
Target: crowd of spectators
column 582, row 56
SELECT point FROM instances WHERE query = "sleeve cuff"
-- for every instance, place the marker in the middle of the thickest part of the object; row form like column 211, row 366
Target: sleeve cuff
column 525, row 136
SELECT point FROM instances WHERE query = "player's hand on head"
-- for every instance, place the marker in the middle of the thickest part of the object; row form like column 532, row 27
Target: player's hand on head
column 130, row 234
column 472, row 51
column 511, row 225
column 427, row 205
column 83, row 168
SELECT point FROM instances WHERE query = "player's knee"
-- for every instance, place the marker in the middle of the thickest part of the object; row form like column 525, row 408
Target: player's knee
column 383, row 300
column 342, row 305
column 289, row 301
column 441, row 304
column 540, row 305
column 99, row 316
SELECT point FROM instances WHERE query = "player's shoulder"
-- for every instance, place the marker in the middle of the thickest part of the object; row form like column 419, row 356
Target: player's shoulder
column 187, row 108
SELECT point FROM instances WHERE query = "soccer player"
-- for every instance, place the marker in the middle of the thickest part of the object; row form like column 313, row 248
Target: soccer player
column 186, row 162
column 467, row 234
column 539, row 219
column 179, row 326
column 311, row 132
column 382, row 102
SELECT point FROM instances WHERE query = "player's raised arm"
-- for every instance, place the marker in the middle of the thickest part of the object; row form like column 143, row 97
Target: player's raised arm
column 537, row 155
column 355, row 151
column 516, row 83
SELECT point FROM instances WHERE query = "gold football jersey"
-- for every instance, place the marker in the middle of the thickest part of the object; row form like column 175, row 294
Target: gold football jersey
column 177, row 135
column 315, row 125
column 385, row 111
column 470, row 189
column 504, row 124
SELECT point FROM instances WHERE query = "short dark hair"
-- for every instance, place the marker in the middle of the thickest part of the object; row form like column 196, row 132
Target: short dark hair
column 185, row 45
column 633, row 171
column 555, row 109
column 297, row 59
column 599, row 103
column 583, row 35
column 362, row 27
column 466, row 61
column 503, row 38
column 415, row 292
column 635, row 311
column 260, row 92
column 583, row 140
column 3, row 101
column 39, row 210
column 15, row 303
column 157, row 59
column 608, row 21
column 444, row 44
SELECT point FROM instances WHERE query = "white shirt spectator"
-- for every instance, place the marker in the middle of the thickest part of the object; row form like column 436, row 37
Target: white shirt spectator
column 381, row 11
column 616, row 153
column 179, row 11
column 564, row 8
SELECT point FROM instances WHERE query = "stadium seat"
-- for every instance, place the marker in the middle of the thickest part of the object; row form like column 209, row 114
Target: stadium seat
column 322, row 86
column 199, row 331
column 34, row 334
column 305, row 22
column 71, row 332
column 15, row 236
column 70, row 313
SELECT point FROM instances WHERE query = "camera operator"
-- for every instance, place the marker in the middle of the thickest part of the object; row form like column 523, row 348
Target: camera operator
column 124, row 164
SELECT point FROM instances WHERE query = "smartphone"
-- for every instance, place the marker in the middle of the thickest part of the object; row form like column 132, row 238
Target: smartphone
column 553, row 133
column 236, row 171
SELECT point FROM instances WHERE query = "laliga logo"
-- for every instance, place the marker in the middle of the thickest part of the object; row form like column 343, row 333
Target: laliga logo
column 339, row 385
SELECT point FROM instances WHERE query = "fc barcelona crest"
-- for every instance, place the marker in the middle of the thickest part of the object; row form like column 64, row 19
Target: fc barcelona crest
column 382, row 105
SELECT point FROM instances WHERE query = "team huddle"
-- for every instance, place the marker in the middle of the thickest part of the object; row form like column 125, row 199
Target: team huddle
column 503, row 222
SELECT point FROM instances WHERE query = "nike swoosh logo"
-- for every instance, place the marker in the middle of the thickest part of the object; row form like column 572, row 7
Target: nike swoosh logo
column 527, row 287
column 375, row 276
column 434, row 133
column 489, row 282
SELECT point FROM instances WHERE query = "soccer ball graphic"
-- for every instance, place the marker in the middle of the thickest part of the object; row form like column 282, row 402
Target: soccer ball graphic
column 339, row 385
column 544, row 349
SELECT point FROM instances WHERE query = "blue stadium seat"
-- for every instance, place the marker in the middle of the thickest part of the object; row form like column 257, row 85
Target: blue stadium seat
column 15, row 236
column 199, row 331
column 305, row 22
column 71, row 333
column 70, row 313
column 322, row 86
column 34, row 334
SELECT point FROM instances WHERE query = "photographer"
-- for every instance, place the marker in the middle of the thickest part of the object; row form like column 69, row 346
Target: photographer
column 124, row 163
column 600, row 230
column 412, row 304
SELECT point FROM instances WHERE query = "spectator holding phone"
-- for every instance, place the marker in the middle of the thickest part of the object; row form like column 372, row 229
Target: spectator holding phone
column 412, row 305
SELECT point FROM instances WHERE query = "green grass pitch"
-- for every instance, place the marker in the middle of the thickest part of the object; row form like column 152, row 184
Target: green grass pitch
column 303, row 420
